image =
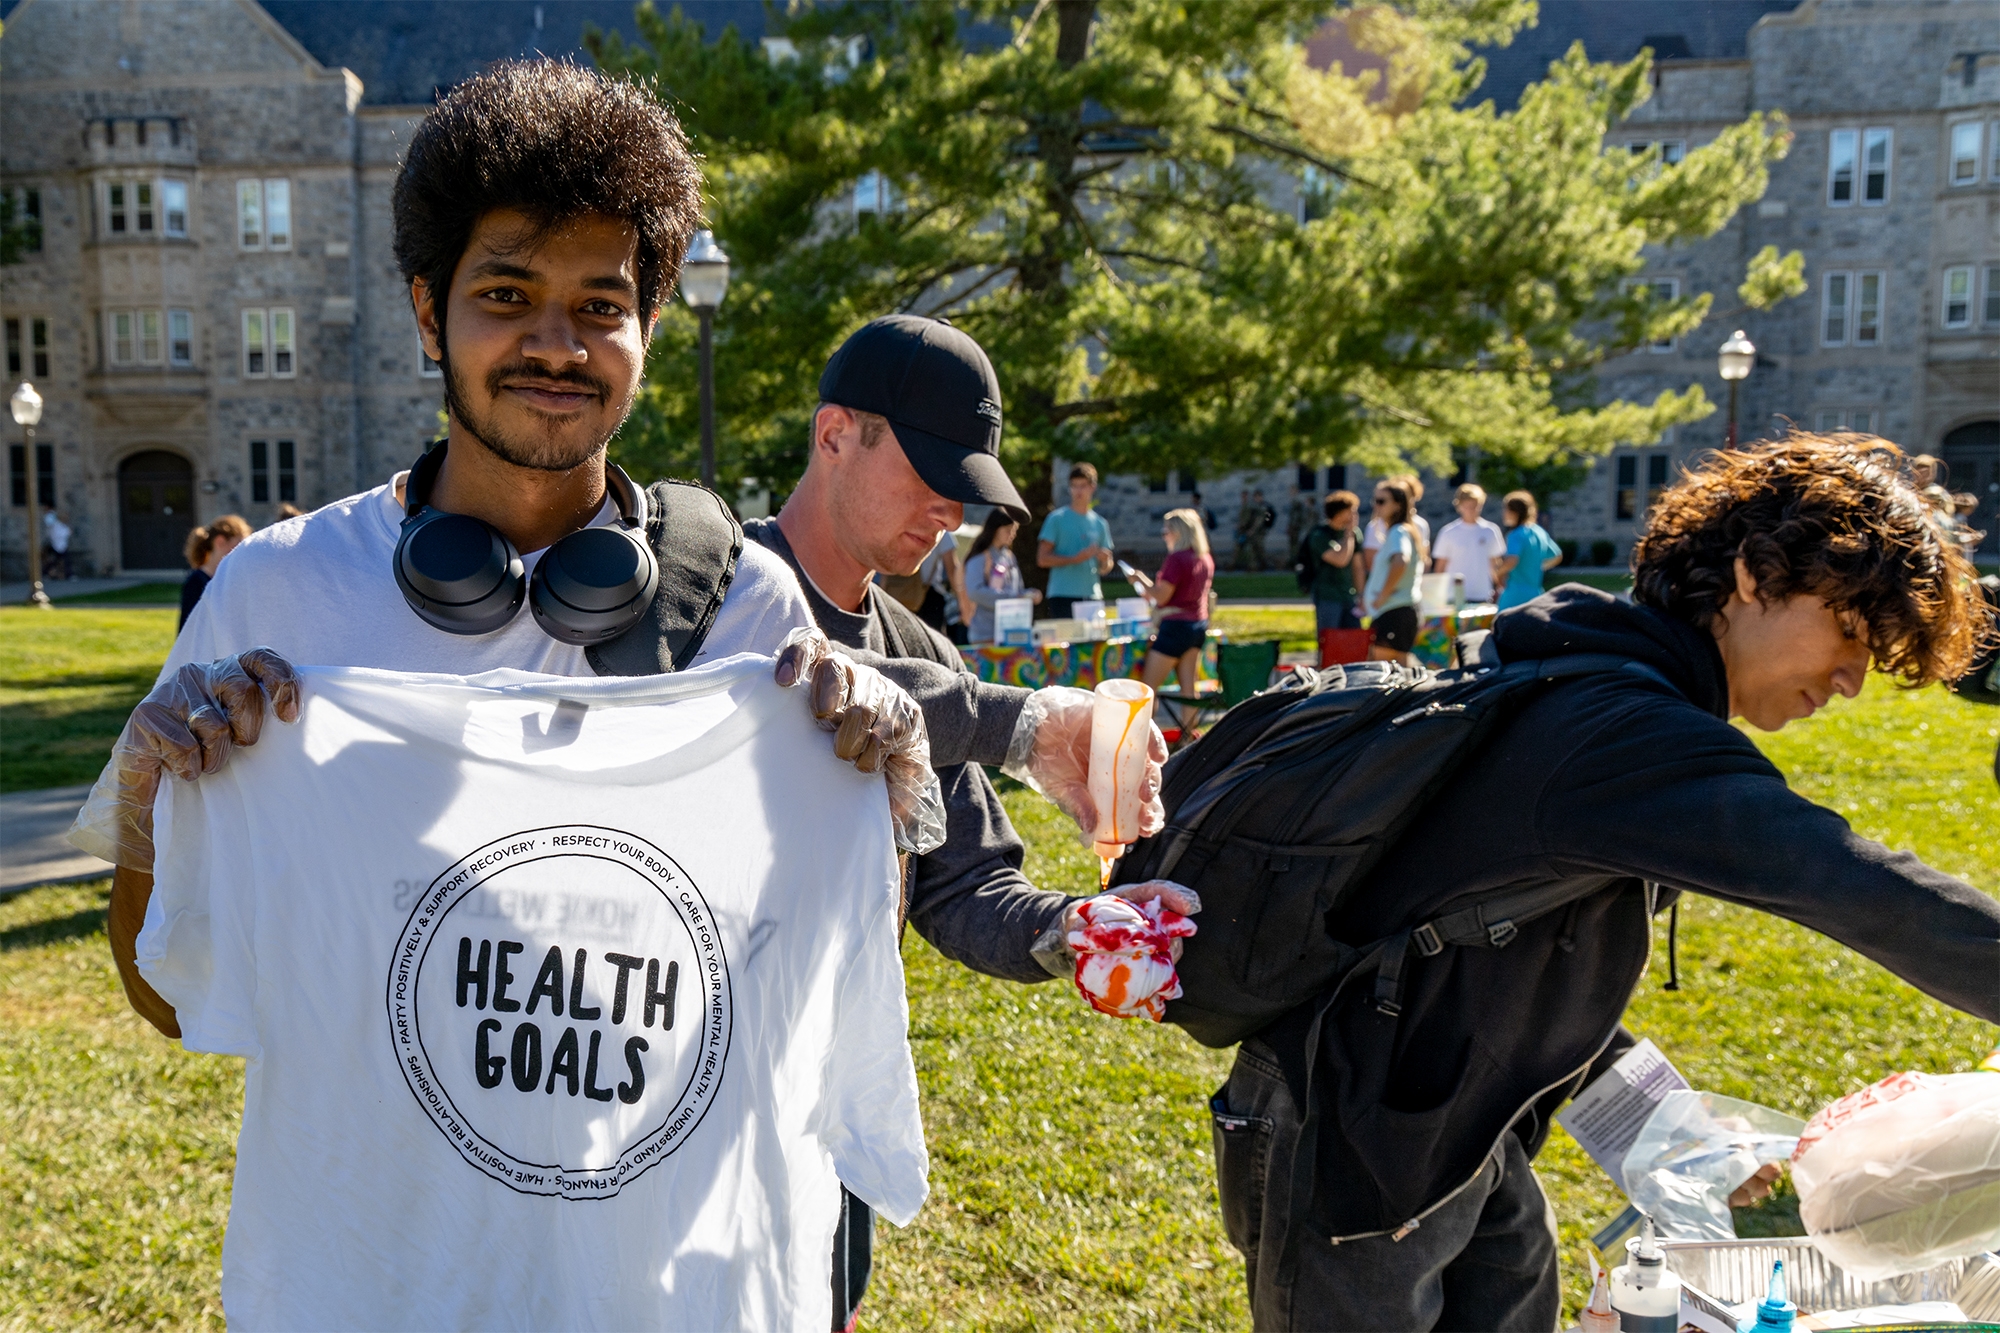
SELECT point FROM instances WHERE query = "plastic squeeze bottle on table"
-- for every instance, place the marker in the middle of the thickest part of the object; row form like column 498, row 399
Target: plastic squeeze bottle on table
column 1597, row 1316
column 1120, row 729
column 1646, row 1296
column 1775, row 1312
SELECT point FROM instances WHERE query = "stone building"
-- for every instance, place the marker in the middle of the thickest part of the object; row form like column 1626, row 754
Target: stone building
column 211, row 309
column 1892, row 192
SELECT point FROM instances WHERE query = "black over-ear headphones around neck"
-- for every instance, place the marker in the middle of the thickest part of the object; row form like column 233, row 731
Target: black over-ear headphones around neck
column 462, row 576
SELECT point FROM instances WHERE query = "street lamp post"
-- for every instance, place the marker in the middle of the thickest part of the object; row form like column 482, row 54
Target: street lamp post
column 704, row 281
column 26, row 405
column 1733, row 362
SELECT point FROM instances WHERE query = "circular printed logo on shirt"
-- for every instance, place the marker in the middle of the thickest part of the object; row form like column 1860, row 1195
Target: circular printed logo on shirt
column 559, row 1004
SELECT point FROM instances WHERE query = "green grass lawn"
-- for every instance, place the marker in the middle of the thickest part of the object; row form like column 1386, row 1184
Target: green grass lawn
column 151, row 594
column 1071, row 1176
column 68, row 679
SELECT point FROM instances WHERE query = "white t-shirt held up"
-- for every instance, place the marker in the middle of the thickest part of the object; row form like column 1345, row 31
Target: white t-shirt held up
column 541, row 983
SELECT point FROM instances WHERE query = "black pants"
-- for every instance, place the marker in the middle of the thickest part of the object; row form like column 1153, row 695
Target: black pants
column 853, row 1258
column 1485, row 1259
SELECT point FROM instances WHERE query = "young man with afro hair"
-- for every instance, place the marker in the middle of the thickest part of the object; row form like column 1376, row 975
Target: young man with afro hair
column 1374, row 1160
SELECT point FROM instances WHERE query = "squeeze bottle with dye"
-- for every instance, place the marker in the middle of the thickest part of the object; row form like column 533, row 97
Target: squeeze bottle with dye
column 1597, row 1316
column 1775, row 1312
column 1645, row 1295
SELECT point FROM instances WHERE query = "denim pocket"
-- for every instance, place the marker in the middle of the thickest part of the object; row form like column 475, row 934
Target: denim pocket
column 1242, row 1164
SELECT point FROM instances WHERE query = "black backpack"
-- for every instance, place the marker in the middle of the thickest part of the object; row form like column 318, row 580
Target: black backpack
column 697, row 541
column 1981, row 681
column 1303, row 571
column 1277, row 815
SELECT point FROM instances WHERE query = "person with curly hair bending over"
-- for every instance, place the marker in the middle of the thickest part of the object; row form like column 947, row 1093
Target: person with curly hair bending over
column 1769, row 581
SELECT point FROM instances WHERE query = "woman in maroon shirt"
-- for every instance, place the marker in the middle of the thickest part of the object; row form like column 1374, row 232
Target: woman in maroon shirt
column 1181, row 593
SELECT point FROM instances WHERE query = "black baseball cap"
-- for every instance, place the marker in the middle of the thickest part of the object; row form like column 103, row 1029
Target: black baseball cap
column 936, row 387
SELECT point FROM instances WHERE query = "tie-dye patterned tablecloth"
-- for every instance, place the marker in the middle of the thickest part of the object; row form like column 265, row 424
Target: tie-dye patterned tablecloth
column 1080, row 664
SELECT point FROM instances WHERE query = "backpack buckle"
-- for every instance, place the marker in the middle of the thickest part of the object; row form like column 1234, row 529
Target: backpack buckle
column 1500, row 933
column 1427, row 940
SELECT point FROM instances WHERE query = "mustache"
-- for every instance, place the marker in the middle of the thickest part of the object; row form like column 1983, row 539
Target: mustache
column 496, row 380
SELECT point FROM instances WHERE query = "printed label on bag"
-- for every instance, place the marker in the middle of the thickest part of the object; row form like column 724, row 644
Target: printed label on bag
column 559, row 1003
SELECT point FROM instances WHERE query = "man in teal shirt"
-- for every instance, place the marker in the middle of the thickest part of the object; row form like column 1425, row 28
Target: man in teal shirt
column 1530, row 552
column 1075, row 547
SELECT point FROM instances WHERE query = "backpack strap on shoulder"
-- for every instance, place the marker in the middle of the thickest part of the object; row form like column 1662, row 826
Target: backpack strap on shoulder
column 697, row 541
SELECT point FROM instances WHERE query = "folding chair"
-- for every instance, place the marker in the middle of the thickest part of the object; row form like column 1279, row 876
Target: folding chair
column 1338, row 647
column 1242, row 669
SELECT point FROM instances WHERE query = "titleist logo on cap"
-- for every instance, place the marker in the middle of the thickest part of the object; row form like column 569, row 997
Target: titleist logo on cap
column 989, row 409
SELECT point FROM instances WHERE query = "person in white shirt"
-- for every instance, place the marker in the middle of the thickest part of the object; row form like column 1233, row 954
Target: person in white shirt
column 541, row 217
column 55, row 536
column 1469, row 544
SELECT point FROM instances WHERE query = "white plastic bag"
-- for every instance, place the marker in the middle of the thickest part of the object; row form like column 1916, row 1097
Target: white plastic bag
column 1695, row 1149
column 1903, row 1174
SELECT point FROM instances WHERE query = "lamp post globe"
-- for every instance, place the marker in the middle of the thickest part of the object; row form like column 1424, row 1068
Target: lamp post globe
column 26, row 405
column 1733, row 361
column 704, row 282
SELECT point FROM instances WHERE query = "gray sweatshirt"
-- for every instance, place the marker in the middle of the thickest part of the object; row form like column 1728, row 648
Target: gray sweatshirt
column 969, row 897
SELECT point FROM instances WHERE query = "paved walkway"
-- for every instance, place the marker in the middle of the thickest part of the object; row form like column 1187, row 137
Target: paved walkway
column 32, row 848
column 13, row 594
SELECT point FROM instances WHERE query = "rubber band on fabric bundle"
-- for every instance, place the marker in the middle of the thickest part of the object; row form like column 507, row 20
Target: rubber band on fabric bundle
column 1124, row 955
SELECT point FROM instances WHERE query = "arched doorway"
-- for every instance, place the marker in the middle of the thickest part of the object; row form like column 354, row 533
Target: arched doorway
column 1971, row 456
column 155, row 509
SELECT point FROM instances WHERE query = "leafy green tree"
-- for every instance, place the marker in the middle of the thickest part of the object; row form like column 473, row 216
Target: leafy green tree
column 1182, row 245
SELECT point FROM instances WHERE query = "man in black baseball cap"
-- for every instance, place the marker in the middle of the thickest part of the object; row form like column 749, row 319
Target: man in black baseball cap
column 936, row 389
column 906, row 434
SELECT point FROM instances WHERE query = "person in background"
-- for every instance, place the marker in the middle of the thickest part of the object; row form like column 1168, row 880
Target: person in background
column 1180, row 591
column 1964, row 504
column 1075, row 546
column 1333, row 547
column 1469, row 544
column 55, row 545
column 1391, row 594
column 286, row 509
column 943, row 578
column 1531, row 552
column 205, row 548
column 991, row 573
column 1376, row 529
column 1924, row 472
column 1298, row 518
column 1943, row 511
column 1262, row 519
column 1207, row 514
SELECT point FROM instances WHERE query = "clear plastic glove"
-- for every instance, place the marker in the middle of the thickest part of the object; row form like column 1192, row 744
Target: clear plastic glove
column 189, row 725
column 1050, row 752
column 876, row 727
column 1126, row 950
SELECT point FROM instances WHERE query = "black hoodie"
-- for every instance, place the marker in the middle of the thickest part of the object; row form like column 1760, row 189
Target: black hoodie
column 1613, row 782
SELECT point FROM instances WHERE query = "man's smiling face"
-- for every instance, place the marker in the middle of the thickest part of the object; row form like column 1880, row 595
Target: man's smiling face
column 543, row 346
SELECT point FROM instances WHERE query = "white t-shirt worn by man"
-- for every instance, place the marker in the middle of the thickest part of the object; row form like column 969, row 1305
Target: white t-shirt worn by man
column 1470, row 549
column 540, row 982
column 321, row 589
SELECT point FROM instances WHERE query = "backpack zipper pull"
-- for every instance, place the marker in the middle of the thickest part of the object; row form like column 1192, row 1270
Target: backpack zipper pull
column 1428, row 710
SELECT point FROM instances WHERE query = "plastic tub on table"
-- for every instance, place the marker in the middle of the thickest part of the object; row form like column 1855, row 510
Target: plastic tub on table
column 1740, row 1270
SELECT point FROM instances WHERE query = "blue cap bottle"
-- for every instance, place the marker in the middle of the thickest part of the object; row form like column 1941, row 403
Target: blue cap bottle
column 1774, row 1313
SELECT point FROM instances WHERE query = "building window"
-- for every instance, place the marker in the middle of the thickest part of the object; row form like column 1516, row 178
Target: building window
column 1841, row 145
column 180, row 337
column 1833, row 309
column 427, row 368
column 1317, row 189
column 1629, row 501
column 1991, row 314
column 256, row 350
column 119, row 339
column 45, row 476
column 142, row 204
column 1992, row 152
column 114, row 208
column 28, row 220
column 1860, row 419
column 874, row 193
column 1308, row 478
column 174, row 207
column 250, row 214
column 1867, row 309
column 152, row 349
column 277, row 215
column 32, row 357
column 1958, row 296
column 260, row 472
column 1662, row 290
column 267, row 343
column 1965, row 138
column 1876, row 148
